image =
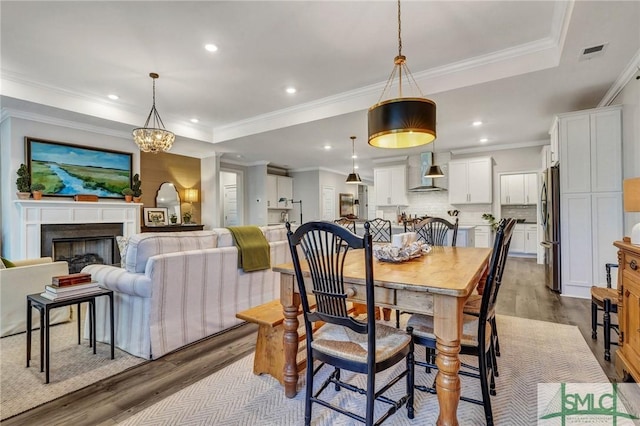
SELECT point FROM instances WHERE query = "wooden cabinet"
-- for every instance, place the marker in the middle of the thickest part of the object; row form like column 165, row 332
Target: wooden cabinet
column 390, row 185
column 590, row 196
column 279, row 187
column 470, row 181
column 628, row 353
column 520, row 188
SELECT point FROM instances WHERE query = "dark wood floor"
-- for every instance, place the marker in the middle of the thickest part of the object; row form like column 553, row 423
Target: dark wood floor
column 523, row 294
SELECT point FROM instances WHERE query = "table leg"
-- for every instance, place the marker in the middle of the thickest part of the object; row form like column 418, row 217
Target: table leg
column 448, row 330
column 79, row 318
column 42, row 340
column 92, row 336
column 28, row 331
column 48, row 342
column 113, row 333
column 290, row 306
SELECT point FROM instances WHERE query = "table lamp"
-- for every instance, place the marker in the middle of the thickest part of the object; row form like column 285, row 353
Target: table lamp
column 631, row 195
column 191, row 196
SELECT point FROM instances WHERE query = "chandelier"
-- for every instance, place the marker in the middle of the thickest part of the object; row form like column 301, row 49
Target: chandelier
column 402, row 122
column 353, row 176
column 155, row 138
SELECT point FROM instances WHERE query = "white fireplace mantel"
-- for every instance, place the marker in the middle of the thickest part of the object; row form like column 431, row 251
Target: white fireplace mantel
column 33, row 214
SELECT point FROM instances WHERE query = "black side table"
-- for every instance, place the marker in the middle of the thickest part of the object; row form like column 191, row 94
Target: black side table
column 44, row 306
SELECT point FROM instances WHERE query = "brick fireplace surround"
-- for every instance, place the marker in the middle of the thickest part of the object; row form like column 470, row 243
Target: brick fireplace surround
column 33, row 214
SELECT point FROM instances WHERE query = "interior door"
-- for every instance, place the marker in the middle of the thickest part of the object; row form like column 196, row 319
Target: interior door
column 230, row 205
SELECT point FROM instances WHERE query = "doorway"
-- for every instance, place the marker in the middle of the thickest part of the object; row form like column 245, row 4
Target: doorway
column 231, row 193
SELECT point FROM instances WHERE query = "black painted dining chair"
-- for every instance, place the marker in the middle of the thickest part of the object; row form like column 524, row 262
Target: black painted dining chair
column 347, row 223
column 380, row 230
column 476, row 338
column 345, row 342
column 434, row 231
column 605, row 299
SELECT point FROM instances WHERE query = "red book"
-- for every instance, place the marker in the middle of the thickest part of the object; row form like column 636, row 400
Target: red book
column 71, row 279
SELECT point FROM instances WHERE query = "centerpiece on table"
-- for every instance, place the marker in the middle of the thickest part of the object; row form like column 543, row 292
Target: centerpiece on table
column 403, row 247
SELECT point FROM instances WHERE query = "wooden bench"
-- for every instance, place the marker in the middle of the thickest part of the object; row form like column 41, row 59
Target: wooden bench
column 269, row 356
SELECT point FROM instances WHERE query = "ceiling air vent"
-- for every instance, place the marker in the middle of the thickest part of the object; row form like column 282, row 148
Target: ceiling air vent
column 593, row 51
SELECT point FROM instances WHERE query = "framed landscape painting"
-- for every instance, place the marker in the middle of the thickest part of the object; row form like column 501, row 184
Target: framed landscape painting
column 66, row 170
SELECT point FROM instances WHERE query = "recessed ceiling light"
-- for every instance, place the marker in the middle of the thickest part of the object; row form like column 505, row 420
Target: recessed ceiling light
column 113, row 97
column 483, row 140
column 194, row 120
column 327, row 147
column 356, row 167
column 354, row 156
column 291, row 90
column 211, row 47
column 477, row 123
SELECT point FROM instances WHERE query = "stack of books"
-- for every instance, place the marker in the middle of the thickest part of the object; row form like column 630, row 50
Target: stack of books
column 72, row 285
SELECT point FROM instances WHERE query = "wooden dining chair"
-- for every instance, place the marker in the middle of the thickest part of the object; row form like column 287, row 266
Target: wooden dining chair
column 345, row 342
column 476, row 336
column 347, row 223
column 474, row 302
column 380, row 230
column 605, row 299
column 434, row 231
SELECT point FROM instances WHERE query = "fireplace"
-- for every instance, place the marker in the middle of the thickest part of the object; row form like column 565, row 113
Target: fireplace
column 81, row 244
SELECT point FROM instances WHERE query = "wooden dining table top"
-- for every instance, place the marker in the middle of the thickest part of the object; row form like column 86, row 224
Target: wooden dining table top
column 453, row 271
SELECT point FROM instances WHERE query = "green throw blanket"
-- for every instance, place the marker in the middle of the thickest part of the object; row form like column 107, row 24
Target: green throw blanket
column 253, row 248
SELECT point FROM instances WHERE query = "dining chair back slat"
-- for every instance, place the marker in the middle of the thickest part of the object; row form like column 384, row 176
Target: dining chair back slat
column 434, row 231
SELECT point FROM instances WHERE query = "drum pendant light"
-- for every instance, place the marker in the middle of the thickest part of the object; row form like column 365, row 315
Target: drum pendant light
column 353, row 177
column 402, row 122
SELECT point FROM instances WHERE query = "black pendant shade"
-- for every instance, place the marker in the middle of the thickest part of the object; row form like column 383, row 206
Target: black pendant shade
column 434, row 172
column 402, row 123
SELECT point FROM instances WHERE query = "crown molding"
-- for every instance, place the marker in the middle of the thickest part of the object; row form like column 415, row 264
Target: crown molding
column 492, row 148
column 625, row 76
column 46, row 119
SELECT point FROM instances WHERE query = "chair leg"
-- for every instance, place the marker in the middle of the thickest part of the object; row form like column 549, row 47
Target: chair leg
column 309, row 390
column 606, row 329
column 494, row 331
column 410, row 380
column 594, row 320
column 484, row 384
column 337, row 379
column 397, row 318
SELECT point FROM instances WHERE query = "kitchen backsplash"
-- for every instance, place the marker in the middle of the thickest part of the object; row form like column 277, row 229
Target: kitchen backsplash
column 526, row 212
column 436, row 203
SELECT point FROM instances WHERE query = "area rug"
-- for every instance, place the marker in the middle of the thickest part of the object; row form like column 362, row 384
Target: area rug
column 72, row 367
column 532, row 352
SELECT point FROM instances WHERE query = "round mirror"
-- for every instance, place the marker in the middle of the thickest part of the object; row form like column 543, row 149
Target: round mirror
column 167, row 196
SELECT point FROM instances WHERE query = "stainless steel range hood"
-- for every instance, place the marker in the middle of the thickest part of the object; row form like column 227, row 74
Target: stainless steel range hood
column 424, row 184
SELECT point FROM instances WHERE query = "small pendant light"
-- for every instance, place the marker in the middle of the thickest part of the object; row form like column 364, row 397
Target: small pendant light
column 353, row 177
column 434, row 171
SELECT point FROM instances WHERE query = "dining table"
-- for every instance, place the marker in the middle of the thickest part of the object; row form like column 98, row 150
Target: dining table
column 437, row 283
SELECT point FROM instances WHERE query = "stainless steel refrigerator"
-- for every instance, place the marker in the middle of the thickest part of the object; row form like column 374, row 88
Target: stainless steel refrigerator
column 550, row 220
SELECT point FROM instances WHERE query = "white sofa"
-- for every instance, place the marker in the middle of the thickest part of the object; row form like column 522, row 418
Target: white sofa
column 27, row 277
column 177, row 288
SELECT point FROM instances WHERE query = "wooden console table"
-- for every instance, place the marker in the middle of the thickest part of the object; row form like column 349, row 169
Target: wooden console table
column 172, row 228
column 628, row 354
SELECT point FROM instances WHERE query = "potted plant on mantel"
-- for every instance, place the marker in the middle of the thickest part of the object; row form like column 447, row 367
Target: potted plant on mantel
column 36, row 190
column 135, row 186
column 128, row 194
column 23, row 183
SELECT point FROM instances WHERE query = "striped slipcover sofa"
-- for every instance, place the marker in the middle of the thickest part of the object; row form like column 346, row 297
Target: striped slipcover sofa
column 177, row 288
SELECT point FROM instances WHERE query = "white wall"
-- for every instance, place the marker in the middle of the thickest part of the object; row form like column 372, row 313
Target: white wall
column 12, row 146
column 306, row 187
column 256, row 189
column 629, row 97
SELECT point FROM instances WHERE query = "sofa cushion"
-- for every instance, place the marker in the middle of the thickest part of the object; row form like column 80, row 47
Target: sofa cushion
column 143, row 246
column 274, row 233
column 225, row 237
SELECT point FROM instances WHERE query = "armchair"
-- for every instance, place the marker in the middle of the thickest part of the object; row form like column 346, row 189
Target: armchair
column 27, row 277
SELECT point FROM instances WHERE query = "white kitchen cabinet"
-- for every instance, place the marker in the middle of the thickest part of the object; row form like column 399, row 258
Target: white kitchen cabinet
column 272, row 191
column 279, row 187
column 531, row 188
column 590, row 196
column 517, row 239
column 390, row 185
column 285, row 190
column 484, row 236
column 470, row 181
column 531, row 239
column 465, row 237
column 512, row 189
column 554, row 145
column 519, row 188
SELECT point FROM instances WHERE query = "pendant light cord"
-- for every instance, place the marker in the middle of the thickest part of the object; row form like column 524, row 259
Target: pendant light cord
column 399, row 31
column 353, row 154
